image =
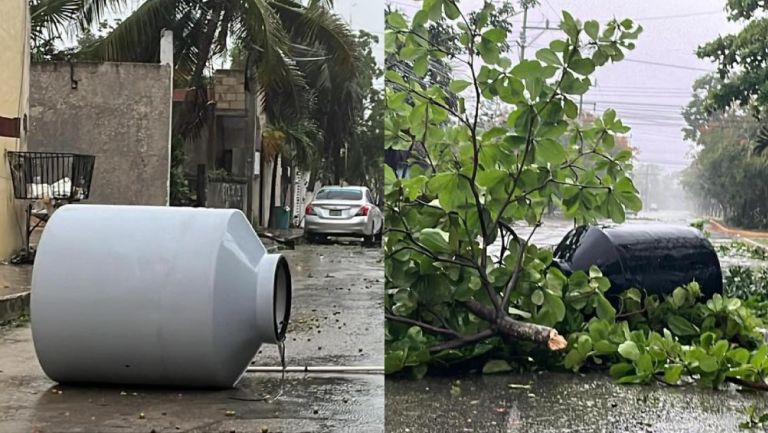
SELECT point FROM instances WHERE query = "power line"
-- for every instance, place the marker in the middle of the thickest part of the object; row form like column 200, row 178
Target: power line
column 664, row 17
column 668, row 65
column 644, row 87
column 553, row 9
column 642, row 104
column 654, row 18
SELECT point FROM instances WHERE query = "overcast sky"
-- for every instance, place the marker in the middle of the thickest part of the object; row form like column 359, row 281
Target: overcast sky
column 367, row 15
column 647, row 96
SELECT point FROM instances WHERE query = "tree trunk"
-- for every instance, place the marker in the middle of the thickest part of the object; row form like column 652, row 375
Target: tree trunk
column 515, row 329
column 271, row 219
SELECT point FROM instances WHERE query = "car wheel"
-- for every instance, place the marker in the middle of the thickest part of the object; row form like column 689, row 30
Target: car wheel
column 311, row 238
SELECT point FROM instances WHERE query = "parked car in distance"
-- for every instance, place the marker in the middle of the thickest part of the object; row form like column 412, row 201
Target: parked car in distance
column 348, row 211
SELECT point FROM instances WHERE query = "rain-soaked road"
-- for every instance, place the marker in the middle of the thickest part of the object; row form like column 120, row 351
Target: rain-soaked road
column 562, row 402
column 337, row 320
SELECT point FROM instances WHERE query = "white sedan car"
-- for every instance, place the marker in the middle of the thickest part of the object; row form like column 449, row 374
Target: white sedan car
column 343, row 211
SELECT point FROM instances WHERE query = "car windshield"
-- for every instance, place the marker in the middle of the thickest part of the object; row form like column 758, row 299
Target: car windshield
column 339, row 194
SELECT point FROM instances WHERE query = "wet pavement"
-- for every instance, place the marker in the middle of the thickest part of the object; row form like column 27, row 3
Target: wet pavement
column 331, row 282
column 560, row 402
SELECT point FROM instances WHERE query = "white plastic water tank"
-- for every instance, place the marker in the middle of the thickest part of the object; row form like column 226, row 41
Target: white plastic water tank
column 154, row 296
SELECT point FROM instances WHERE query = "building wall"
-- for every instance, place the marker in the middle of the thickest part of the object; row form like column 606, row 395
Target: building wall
column 229, row 88
column 14, row 91
column 120, row 112
column 228, row 195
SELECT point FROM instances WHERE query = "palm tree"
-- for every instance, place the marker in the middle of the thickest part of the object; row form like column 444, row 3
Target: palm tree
column 298, row 53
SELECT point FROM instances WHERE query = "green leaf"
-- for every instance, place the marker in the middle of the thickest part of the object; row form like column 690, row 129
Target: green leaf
column 458, row 86
column 496, row 366
column 604, row 347
column 627, row 195
column 739, row 355
column 395, row 77
column 452, row 190
column 708, row 364
column 393, row 361
column 410, row 52
column 615, row 209
column 629, row 350
column 537, row 297
column 550, row 151
column 548, row 56
column 595, row 272
column 491, row 177
column 435, row 240
column 496, row 35
column 570, row 108
column 582, row 66
column 552, row 310
column 420, row 18
column 451, row 11
column 435, row 8
column 405, row 302
column 489, row 51
column 527, row 69
column 644, row 364
column 679, row 296
column 672, row 373
column 592, row 29
column 389, row 176
column 604, row 308
column 569, row 26
column 396, row 20
column 680, row 326
column 621, row 369
column 421, row 65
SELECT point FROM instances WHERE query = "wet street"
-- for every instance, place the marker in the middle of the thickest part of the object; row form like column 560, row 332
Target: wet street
column 559, row 403
column 336, row 321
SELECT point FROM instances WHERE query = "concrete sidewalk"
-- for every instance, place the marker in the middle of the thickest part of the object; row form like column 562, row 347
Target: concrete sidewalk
column 15, row 281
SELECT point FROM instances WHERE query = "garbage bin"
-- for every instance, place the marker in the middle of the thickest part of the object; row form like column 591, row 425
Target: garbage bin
column 656, row 258
column 281, row 217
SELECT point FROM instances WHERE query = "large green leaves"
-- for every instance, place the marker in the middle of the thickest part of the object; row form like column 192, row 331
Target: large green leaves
column 453, row 191
column 474, row 179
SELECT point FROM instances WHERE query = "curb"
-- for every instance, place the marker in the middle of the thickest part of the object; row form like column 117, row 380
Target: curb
column 14, row 306
column 753, row 243
column 719, row 227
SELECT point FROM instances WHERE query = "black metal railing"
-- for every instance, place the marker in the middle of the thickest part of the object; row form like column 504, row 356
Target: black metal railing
column 60, row 176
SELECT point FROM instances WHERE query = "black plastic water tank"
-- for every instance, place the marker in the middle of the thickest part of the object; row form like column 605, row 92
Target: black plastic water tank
column 657, row 258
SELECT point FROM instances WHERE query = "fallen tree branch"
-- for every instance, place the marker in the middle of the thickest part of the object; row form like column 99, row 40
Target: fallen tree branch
column 463, row 341
column 760, row 386
column 516, row 329
column 421, row 325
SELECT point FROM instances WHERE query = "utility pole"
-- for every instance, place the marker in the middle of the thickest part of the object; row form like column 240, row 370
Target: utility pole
column 581, row 102
column 522, row 34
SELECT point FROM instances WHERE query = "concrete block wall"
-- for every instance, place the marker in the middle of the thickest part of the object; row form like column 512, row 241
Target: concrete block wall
column 120, row 112
column 229, row 87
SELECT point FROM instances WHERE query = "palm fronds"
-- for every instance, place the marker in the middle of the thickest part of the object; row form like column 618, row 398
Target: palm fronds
column 761, row 139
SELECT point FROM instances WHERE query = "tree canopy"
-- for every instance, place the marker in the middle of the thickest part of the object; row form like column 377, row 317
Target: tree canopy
column 741, row 58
